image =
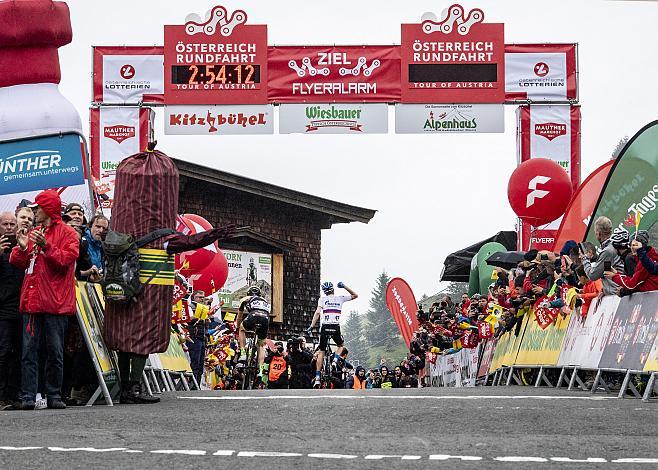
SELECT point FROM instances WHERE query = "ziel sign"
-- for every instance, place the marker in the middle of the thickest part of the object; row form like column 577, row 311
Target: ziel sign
column 40, row 163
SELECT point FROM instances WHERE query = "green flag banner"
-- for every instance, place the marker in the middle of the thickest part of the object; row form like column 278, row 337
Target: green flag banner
column 631, row 190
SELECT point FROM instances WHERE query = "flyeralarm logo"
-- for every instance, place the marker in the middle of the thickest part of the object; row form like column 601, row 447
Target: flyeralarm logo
column 127, row 72
column 541, row 69
column 119, row 133
column 550, row 130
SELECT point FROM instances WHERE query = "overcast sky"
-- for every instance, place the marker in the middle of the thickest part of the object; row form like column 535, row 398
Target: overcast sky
column 434, row 193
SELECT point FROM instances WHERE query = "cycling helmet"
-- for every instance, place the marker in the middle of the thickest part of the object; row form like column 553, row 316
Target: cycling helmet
column 254, row 290
column 619, row 238
column 327, row 286
column 642, row 236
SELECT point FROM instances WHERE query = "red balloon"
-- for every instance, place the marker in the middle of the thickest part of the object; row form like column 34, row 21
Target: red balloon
column 191, row 262
column 213, row 277
column 539, row 191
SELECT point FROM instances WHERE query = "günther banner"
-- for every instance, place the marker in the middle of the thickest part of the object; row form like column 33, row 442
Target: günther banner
column 116, row 133
column 402, row 304
column 320, row 74
column 28, row 166
column 553, row 132
column 219, row 120
column 128, row 74
column 631, row 190
column 452, row 118
column 541, row 72
column 337, row 118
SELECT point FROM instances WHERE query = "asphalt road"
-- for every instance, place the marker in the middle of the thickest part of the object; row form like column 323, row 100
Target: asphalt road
column 502, row 427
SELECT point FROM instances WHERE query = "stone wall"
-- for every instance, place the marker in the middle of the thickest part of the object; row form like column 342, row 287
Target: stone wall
column 283, row 222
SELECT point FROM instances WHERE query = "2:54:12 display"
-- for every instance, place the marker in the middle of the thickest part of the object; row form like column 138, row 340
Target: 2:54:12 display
column 203, row 74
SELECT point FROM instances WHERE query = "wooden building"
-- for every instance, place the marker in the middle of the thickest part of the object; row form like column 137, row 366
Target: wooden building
column 284, row 223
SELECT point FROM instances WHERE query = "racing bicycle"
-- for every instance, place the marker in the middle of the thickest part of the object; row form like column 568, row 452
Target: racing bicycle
column 250, row 370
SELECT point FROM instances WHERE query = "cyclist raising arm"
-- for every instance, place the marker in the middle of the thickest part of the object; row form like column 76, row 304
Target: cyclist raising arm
column 328, row 312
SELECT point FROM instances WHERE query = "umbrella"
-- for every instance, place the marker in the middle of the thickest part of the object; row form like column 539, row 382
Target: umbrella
column 506, row 259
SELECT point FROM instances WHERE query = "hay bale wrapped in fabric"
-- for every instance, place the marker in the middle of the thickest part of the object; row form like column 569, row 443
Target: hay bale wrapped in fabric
column 146, row 199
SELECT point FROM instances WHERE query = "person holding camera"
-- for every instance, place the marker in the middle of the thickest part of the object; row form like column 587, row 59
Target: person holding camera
column 11, row 279
column 607, row 260
column 276, row 368
column 644, row 280
column 299, row 360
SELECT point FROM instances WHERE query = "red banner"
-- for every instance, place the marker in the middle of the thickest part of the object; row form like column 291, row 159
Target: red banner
column 485, row 330
column 341, row 74
column 456, row 60
column 402, row 305
column 580, row 210
column 219, row 61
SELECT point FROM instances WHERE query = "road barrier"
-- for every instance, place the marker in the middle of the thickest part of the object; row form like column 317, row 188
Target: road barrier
column 619, row 335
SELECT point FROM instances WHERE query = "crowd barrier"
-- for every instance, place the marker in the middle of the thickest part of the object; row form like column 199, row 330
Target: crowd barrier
column 455, row 370
column 164, row 372
column 619, row 335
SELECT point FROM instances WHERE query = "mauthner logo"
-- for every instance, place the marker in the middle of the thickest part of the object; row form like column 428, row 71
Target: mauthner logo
column 333, row 117
column 550, row 130
column 454, row 119
column 119, row 132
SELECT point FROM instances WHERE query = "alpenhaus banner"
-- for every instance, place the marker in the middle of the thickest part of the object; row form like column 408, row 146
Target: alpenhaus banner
column 336, row 74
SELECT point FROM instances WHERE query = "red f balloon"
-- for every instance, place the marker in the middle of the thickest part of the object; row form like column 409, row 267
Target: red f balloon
column 539, row 191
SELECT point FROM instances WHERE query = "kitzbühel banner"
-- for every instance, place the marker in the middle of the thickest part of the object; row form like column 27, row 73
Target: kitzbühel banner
column 219, row 120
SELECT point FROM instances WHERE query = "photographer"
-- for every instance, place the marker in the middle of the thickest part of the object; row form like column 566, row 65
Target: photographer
column 339, row 367
column 11, row 280
column 276, row 366
column 299, row 360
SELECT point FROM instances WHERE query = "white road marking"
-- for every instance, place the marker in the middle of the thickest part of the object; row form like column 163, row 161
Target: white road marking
column 86, row 449
column 520, row 459
column 179, row 451
column 333, row 456
column 295, row 455
column 397, row 397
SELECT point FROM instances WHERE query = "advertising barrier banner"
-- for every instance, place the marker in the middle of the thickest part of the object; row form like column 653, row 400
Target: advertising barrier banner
column 632, row 333
column 217, row 61
column 219, row 120
column 542, row 346
column 336, row 74
column 128, row 74
column 652, row 361
column 454, row 118
column 115, row 133
column 487, row 357
column 455, row 370
column 337, row 118
column 458, row 59
column 541, row 72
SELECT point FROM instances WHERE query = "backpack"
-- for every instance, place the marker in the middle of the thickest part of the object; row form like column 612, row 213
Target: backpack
column 120, row 280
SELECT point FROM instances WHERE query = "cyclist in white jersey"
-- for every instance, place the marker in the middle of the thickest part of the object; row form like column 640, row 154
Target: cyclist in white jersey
column 329, row 310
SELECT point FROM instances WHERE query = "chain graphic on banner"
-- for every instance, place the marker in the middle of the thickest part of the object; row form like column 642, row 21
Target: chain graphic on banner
column 218, row 15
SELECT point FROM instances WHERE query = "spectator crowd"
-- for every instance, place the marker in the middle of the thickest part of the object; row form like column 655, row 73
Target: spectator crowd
column 557, row 283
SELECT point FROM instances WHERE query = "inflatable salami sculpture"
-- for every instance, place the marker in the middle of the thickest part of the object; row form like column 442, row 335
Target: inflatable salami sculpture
column 146, row 200
column 30, row 101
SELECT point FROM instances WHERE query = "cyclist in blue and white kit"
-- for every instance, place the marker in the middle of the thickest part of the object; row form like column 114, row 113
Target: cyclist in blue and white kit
column 329, row 309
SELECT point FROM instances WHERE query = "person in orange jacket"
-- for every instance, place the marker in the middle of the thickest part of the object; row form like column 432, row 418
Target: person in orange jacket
column 358, row 380
column 48, row 254
column 590, row 291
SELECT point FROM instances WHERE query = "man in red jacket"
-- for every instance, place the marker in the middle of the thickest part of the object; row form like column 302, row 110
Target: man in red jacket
column 48, row 254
